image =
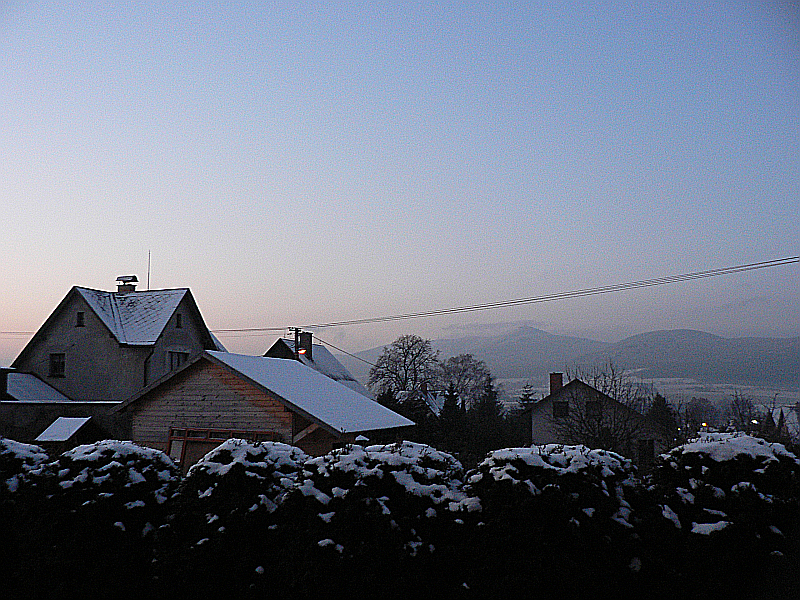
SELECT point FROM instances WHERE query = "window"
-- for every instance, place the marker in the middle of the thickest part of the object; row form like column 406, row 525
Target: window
column 187, row 446
column 179, row 321
column 560, row 409
column 594, row 410
column 80, row 319
column 57, row 364
column 177, row 359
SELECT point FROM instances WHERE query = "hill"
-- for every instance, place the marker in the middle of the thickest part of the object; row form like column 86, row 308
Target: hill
column 531, row 353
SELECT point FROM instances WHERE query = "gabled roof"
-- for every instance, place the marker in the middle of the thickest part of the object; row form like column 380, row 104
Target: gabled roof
column 313, row 393
column 323, row 361
column 26, row 387
column 301, row 388
column 62, row 429
column 135, row 318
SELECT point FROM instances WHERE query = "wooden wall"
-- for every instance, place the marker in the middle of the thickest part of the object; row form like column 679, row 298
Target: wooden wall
column 208, row 396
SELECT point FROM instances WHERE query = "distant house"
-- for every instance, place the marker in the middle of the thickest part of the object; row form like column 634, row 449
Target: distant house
column 99, row 345
column 786, row 422
column 577, row 413
column 219, row 395
column 318, row 357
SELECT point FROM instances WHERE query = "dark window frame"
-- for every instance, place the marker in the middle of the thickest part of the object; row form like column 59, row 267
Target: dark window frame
column 80, row 319
column 177, row 359
column 183, row 435
column 58, row 364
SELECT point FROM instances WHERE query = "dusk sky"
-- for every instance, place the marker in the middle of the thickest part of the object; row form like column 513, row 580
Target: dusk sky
column 297, row 162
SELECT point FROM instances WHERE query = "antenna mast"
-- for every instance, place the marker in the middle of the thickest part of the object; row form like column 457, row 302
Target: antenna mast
column 148, row 270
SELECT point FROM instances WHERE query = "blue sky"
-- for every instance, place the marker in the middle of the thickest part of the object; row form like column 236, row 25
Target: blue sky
column 298, row 162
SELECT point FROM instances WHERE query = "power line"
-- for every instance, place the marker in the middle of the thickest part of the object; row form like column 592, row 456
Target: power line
column 344, row 351
column 541, row 299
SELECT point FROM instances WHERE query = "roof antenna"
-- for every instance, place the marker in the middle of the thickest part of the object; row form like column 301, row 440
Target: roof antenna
column 148, row 270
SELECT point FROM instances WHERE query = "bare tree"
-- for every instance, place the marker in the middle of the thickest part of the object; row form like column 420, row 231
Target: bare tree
column 604, row 409
column 741, row 413
column 404, row 366
column 467, row 375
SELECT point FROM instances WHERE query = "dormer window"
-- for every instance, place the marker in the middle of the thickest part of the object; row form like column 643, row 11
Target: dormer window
column 178, row 321
column 80, row 319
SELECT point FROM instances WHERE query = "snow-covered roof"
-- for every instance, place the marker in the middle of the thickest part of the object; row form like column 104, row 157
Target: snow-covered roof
column 136, row 318
column 26, row 387
column 330, row 402
column 326, row 363
column 62, row 429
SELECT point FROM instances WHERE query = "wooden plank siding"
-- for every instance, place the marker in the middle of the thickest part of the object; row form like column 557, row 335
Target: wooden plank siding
column 206, row 396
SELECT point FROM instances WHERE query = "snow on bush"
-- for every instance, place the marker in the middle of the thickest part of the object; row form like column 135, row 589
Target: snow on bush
column 723, row 479
column 235, row 482
column 588, row 484
column 402, row 488
column 17, row 461
column 112, row 479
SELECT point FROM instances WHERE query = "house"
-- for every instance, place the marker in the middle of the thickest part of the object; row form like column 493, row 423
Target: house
column 577, row 413
column 786, row 423
column 219, row 395
column 100, row 345
column 97, row 349
column 316, row 356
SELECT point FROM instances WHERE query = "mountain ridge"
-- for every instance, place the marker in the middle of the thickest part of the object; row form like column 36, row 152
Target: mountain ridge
column 531, row 353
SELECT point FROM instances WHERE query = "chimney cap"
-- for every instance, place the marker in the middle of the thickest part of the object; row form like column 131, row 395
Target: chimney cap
column 128, row 279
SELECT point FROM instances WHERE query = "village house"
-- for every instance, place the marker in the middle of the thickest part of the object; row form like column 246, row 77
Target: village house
column 100, row 345
column 318, row 357
column 95, row 350
column 220, row 395
column 577, row 413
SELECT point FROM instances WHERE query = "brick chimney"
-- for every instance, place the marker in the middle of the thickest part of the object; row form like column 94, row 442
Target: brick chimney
column 126, row 284
column 556, row 382
column 306, row 345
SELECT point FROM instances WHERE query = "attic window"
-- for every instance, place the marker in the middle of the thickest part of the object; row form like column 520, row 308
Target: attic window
column 57, row 364
column 560, row 409
column 80, row 319
column 178, row 321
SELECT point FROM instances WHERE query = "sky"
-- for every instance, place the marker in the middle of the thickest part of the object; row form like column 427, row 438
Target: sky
column 308, row 162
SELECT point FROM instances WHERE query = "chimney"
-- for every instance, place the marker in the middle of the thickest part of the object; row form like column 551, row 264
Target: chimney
column 305, row 346
column 556, row 382
column 126, row 284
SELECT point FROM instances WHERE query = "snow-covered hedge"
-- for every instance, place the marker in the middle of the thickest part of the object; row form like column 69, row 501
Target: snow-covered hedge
column 590, row 482
column 724, row 480
column 17, row 461
column 402, row 487
column 112, row 480
column 235, row 482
